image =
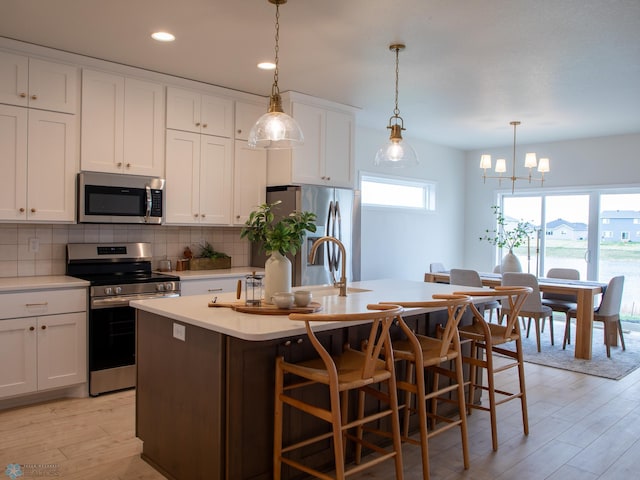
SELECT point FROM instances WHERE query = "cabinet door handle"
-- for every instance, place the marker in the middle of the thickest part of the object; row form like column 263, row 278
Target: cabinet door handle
column 237, row 217
column 33, row 210
column 128, row 165
column 23, row 95
column 197, row 124
column 34, row 97
column 204, row 125
column 203, row 215
column 195, row 215
column 31, row 305
column 239, row 130
column 299, row 341
column 21, row 210
column 119, row 164
column 287, row 343
column 43, row 327
column 214, row 290
column 32, row 328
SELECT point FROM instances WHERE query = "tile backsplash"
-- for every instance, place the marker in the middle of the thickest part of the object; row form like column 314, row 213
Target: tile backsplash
column 28, row 249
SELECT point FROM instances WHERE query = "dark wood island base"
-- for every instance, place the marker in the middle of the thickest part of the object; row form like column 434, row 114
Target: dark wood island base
column 204, row 406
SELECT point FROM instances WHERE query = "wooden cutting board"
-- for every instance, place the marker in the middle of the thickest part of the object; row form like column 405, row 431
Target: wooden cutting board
column 268, row 309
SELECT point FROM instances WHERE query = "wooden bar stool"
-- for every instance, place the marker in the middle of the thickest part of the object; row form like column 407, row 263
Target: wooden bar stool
column 427, row 354
column 351, row 370
column 488, row 336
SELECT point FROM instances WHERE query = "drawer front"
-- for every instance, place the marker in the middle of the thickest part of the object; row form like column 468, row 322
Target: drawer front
column 209, row 286
column 43, row 302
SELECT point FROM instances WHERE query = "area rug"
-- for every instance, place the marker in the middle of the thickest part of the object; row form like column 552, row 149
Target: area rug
column 621, row 363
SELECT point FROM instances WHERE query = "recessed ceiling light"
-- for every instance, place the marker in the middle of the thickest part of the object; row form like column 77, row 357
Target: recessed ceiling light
column 163, row 36
column 267, row 66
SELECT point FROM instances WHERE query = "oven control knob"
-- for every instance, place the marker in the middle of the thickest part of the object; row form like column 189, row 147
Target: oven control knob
column 108, row 291
column 118, row 290
column 160, row 287
column 168, row 286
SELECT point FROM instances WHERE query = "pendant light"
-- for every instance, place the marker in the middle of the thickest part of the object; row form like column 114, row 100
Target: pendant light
column 396, row 152
column 275, row 129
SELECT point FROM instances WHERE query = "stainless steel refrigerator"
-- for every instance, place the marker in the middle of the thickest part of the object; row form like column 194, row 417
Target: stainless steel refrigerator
column 338, row 215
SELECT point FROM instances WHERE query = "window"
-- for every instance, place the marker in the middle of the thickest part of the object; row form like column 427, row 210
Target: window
column 394, row 192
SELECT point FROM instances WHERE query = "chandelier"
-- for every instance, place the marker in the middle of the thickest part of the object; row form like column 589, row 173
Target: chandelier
column 396, row 152
column 530, row 162
column 275, row 129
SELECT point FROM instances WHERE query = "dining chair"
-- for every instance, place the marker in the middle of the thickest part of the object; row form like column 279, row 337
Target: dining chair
column 491, row 338
column 352, row 370
column 424, row 354
column 532, row 309
column 608, row 312
column 471, row 278
column 436, row 267
column 561, row 302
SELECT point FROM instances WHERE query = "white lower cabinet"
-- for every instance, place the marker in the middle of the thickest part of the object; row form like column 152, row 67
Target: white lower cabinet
column 48, row 347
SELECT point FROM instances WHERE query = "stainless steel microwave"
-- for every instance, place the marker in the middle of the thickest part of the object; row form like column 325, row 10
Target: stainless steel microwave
column 114, row 198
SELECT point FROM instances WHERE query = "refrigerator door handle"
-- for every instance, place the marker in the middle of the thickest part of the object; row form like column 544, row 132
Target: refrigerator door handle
column 338, row 234
column 333, row 253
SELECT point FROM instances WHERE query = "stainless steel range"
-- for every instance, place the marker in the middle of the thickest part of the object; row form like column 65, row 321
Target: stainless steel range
column 118, row 273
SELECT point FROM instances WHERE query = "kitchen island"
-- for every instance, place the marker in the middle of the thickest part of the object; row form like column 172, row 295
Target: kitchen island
column 205, row 376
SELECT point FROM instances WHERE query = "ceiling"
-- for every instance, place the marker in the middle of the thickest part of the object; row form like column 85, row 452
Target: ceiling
column 566, row 69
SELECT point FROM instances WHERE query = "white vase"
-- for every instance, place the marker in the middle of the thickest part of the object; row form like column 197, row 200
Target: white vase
column 510, row 263
column 277, row 275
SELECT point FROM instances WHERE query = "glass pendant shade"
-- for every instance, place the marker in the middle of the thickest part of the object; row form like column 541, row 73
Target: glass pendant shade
column 396, row 154
column 275, row 130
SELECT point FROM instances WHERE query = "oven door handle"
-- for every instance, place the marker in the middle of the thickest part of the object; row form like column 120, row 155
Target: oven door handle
column 123, row 301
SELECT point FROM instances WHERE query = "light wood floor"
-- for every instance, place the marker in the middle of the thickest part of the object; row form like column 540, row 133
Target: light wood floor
column 581, row 427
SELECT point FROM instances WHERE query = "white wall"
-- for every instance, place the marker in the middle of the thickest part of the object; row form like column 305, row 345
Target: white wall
column 401, row 245
column 601, row 162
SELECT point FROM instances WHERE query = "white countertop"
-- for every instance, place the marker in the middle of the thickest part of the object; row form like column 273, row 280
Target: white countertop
column 194, row 310
column 42, row 282
column 186, row 275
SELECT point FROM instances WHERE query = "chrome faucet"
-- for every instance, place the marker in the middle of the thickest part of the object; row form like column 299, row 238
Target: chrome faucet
column 342, row 284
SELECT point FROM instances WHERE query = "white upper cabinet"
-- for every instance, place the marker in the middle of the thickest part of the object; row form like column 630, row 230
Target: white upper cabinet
column 38, row 160
column 199, row 113
column 249, row 180
column 35, row 83
column 122, row 124
column 199, row 179
column 247, row 114
column 327, row 155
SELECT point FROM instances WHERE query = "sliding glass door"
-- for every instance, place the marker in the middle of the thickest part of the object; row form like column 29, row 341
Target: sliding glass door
column 619, row 246
column 595, row 232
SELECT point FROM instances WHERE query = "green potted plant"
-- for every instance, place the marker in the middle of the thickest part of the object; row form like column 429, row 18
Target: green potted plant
column 277, row 238
column 209, row 259
column 508, row 238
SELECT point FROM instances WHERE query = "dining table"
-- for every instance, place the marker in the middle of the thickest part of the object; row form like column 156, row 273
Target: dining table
column 585, row 292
